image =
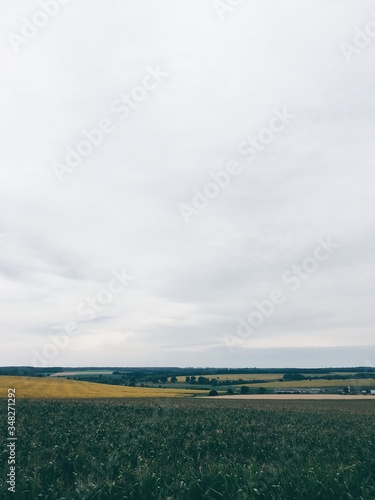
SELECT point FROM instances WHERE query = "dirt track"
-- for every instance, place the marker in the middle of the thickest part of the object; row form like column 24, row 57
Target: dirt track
column 292, row 396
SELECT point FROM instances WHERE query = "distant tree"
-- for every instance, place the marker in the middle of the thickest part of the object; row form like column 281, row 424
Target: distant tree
column 213, row 381
column 173, row 379
column 187, row 380
column 230, row 391
column 213, row 392
column 203, row 380
column 193, row 379
column 262, row 390
column 245, row 389
column 163, row 379
column 293, row 376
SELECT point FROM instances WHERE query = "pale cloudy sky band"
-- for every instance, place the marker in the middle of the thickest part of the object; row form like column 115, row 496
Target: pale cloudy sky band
column 81, row 81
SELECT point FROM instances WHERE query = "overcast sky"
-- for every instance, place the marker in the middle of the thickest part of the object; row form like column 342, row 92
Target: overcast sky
column 179, row 91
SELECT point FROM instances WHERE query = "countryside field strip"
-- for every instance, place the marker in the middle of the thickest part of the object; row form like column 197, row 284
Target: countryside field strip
column 368, row 382
column 65, row 374
column 236, row 376
column 82, row 373
column 274, row 381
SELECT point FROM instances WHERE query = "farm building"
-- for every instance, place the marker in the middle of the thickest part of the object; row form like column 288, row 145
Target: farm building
column 291, row 390
column 372, row 392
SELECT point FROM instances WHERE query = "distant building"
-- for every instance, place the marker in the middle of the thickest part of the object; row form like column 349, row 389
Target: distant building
column 372, row 392
column 302, row 390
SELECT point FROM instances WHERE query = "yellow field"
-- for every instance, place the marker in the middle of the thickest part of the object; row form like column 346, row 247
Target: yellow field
column 46, row 387
column 367, row 382
column 235, row 376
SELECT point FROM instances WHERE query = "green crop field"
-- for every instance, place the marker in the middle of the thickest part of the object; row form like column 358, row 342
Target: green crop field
column 192, row 449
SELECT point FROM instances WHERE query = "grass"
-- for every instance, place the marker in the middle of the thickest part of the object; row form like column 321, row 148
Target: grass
column 193, row 449
column 60, row 388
